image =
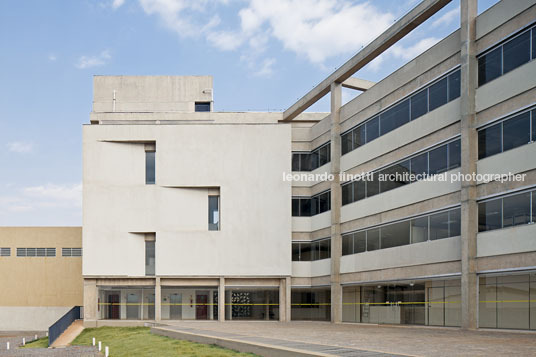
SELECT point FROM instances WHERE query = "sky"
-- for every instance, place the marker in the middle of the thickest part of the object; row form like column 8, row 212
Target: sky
column 263, row 55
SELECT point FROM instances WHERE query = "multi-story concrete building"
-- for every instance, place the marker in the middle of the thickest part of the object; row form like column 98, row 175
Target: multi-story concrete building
column 41, row 275
column 189, row 213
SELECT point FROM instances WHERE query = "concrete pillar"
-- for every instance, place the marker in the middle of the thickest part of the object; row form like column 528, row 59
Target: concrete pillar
column 221, row 300
column 469, row 208
column 157, row 300
column 336, row 202
column 284, row 299
column 288, row 300
column 90, row 300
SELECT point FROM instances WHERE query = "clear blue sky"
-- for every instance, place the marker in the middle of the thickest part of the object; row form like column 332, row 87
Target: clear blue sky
column 263, row 55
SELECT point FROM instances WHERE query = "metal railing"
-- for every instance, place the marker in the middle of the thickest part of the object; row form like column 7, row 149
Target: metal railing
column 62, row 324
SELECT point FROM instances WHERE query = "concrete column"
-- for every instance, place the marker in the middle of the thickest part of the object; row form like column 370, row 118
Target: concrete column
column 288, row 300
column 284, row 299
column 336, row 202
column 157, row 300
column 90, row 300
column 221, row 300
column 469, row 208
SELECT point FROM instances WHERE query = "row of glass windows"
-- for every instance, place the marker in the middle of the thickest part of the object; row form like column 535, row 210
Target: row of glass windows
column 507, row 134
column 440, row 159
column 310, row 206
column 507, row 211
column 41, row 252
column 420, row 103
column 435, row 226
column 309, row 161
column 36, row 252
column 507, row 56
column 310, row 251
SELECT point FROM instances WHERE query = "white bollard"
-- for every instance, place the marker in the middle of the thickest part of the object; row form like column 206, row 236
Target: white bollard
column 23, row 341
column 35, row 337
column 106, row 351
column 100, row 346
column 46, row 334
column 7, row 345
column 93, row 341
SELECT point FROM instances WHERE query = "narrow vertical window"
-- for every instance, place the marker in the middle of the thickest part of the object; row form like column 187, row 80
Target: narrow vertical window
column 150, row 174
column 213, row 213
column 150, row 256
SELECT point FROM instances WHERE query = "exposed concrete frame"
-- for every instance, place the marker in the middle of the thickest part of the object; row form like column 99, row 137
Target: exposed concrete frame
column 393, row 34
column 357, row 84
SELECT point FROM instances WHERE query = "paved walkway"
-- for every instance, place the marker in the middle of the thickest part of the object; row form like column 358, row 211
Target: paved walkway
column 69, row 334
column 369, row 340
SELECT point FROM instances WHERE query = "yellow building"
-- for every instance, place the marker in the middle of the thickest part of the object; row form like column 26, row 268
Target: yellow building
column 40, row 275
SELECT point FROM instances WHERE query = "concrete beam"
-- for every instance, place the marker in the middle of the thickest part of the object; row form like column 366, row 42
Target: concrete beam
column 393, row 34
column 358, row 84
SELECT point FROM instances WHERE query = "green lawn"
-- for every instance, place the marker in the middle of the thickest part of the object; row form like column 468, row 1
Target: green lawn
column 138, row 341
column 39, row 343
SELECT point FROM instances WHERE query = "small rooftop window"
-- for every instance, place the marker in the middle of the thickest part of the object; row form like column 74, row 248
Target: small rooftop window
column 202, row 106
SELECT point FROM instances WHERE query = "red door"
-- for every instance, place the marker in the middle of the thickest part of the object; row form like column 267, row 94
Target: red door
column 201, row 307
column 113, row 306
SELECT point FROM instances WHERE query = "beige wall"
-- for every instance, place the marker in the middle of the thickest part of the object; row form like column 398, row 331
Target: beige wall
column 40, row 281
column 37, row 291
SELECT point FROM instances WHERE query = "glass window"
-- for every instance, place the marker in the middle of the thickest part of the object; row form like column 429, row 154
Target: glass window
column 347, row 194
column 202, row 106
column 150, row 167
column 489, row 66
column 455, row 222
column 305, row 162
column 305, row 207
column 359, row 190
column 516, row 209
column 438, row 160
column 394, row 235
column 306, row 254
column 437, row 94
column 419, row 104
column 489, row 141
column 315, row 205
column 516, row 131
column 394, row 117
column 454, row 85
column 373, row 186
column 360, row 242
column 295, row 207
column 455, row 156
column 394, row 176
column 373, row 239
column 324, row 246
column 346, row 143
column 358, row 136
column 534, row 122
column 489, row 215
column 315, row 250
column 419, row 164
column 419, row 230
column 323, row 200
column 439, row 225
column 213, row 213
column 323, row 155
column 516, row 52
column 296, row 162
column 295, row 252
column 313, row 160
column 348, row 244
column 533, row 206
column 149, row 257
column 373, row 129
column 533, row 43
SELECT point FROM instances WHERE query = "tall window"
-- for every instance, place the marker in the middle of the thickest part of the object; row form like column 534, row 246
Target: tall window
column 213, row 213
column 149, row 257
column 150, row 167
column 507, row 56
column 202, row 106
